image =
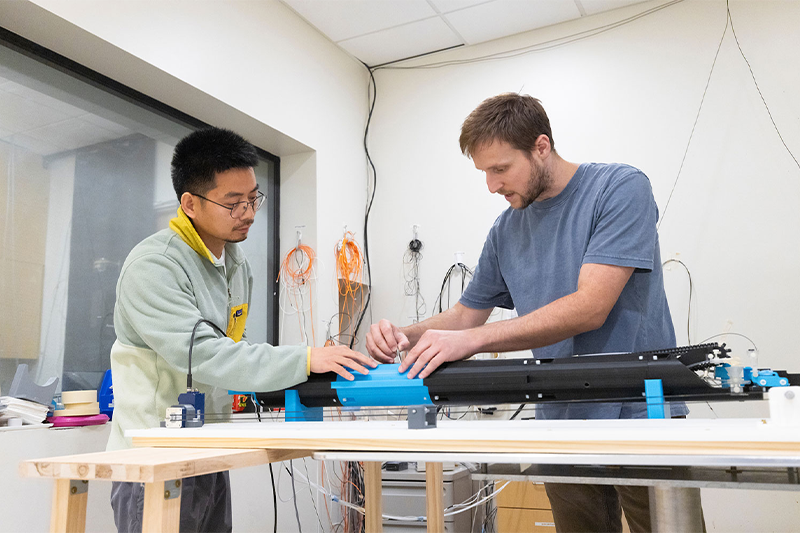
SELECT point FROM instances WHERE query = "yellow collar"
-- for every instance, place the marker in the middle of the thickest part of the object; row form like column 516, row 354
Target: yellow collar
column 182, row 225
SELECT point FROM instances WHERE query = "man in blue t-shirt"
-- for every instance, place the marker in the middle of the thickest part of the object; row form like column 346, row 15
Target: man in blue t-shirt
column 577, row 256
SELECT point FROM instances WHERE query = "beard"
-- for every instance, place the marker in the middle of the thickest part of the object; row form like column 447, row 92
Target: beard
column 539, row 181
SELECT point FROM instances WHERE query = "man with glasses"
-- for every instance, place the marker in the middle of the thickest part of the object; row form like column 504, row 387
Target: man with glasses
column 171, row 286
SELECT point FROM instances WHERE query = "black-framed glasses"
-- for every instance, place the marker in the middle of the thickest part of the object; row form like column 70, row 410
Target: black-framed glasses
column 239, row 209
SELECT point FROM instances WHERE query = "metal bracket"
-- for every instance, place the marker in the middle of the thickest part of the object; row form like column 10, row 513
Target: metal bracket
column 172, row 489
column 421, row 416
column 78, row 486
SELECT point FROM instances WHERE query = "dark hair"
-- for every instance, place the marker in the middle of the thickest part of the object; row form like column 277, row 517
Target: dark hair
column 200, row 155
column 518, row 119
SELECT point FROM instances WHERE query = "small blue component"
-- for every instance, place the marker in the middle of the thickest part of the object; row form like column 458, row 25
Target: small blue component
column 297, row 412
column 196, row 400
column 383, row 386
column 105, row 395
column 768, row 378
column 654, row 394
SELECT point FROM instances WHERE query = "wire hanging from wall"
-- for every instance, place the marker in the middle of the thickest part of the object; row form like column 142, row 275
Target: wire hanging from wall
column 411, row 261
column 349, row 273
column 297, row 276
column 458, row 269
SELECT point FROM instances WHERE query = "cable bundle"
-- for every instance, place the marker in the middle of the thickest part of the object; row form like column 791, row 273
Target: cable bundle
column 349, row 270
column 295, row 276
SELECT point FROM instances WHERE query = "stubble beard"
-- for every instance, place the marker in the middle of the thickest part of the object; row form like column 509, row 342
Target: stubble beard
column 538, row 183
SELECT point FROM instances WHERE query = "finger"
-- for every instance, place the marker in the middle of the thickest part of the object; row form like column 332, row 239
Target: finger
column 379, row 338
column 423, row 359
column 402, row 341
column 361, row 358
column 414, row 353
column 432, row 365
column 344, row 373
column 352, row 365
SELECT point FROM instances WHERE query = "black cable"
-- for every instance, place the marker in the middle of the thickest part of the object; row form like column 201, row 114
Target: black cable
column 369, row 204
column 191, row 345
column 696, row 118
column 735, row 38
column 274, row 500
column 518, row 411
column 691, row 291
column 294, row 497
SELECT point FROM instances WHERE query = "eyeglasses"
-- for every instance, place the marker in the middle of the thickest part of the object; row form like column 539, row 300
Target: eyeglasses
column 239, row 209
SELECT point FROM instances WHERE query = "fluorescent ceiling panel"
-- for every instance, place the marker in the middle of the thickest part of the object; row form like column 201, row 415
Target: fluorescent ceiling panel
column 402, row 42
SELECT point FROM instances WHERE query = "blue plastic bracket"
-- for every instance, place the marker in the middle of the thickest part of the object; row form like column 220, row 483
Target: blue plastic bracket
column 297, row 412
column 654, row 394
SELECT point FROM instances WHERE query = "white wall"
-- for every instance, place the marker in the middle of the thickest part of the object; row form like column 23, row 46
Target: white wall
column 628, row 95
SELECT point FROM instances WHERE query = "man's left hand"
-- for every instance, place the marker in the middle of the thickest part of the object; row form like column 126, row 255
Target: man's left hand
column 434, row 348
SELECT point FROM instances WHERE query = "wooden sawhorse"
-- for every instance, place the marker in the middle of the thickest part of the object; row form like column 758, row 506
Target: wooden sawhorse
column 160, row 469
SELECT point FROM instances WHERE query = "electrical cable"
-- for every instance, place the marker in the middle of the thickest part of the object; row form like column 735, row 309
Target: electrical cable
column 294, row 497
column 735, row 38
column 349, row 272
column 191, row 346
column 691, row 292
column 411, row 260
column 374, row 98
column 539, row 47
column 274, row 500
column 296, row 274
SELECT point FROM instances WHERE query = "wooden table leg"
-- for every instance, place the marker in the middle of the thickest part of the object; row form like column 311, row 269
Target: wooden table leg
column 69, row 506
column 434, row 490
column 373, row 506
column 162, row 507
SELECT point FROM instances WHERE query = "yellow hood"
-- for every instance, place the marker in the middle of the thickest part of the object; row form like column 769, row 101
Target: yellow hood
column 182, row 225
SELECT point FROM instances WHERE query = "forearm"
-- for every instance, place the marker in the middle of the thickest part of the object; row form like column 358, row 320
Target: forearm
column 561, row 319
column 457, row 317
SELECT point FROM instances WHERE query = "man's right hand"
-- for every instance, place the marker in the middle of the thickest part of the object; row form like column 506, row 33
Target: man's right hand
column 338, row 359
column 384, row 340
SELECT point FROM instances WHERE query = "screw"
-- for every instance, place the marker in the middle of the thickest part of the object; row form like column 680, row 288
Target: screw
column 166, row 495
column 178, row 483
column 73, row 490
column 789, row 395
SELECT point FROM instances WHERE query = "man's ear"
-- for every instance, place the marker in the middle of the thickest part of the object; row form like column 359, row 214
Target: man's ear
column 542, row 146
column 189, row 204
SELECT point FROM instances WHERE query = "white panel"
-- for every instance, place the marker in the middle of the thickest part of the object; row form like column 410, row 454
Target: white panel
column 446, row 6
column 508, row 17
column 345, row 19
column 118, row 129
column 34, row 145
column 71, row 133
column 42, row 99
column 19, row 114
column 401, row 42
column 596, row 6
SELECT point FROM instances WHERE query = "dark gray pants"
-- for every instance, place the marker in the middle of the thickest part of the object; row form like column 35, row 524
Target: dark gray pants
column 205, row 505
column 598, row 508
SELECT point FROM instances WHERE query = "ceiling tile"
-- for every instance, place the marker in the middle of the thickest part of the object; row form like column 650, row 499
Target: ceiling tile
column 42, row 99
column 71, row 134
column 446, row 6
column 402, row 42
column 20, row 114
column 33, row 145
column 596, row 6
column 500, row 18
column 345, row 19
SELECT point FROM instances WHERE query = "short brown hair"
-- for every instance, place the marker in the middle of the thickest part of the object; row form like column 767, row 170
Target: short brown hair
column 518, row 119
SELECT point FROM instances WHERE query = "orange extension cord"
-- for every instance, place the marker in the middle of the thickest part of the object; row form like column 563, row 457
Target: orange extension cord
column 349, row 269
column 297, row 270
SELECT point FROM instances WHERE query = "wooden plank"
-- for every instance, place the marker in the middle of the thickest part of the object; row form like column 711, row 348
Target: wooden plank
column 147, row 465
column 433, row 497
column 69, row 509
column 162, row 509
column 320, row 443
column 373, row 506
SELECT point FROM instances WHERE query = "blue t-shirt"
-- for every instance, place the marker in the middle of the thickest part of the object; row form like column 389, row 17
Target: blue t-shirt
column 606, row 214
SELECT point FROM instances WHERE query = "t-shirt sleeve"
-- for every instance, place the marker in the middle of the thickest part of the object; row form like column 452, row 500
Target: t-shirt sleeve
column 488, row 288
column 624, row 224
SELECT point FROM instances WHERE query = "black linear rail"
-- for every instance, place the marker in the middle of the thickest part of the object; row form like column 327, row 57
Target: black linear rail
column 602, row 377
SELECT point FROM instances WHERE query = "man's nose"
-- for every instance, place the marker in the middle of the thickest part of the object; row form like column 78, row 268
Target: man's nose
column 493, row 183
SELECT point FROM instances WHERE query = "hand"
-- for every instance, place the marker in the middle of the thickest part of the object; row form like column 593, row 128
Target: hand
column 338, row 359
column 434, row 348
column 384, row 340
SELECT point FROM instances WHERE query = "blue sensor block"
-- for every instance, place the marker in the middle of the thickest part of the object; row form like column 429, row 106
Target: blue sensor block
column 383, row 386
